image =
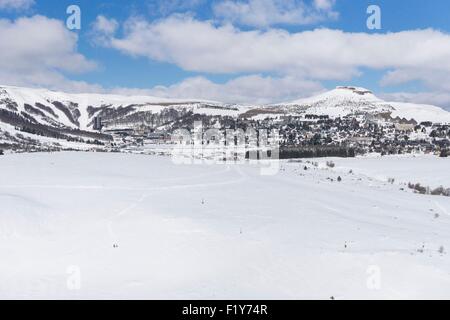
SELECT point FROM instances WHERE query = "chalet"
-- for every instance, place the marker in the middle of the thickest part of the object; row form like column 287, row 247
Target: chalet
column 406, row 127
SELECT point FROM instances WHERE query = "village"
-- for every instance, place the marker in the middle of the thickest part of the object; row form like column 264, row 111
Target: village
column 304, row 135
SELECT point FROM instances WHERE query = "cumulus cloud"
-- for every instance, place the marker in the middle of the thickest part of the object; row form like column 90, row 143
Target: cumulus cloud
column 103, row 29
column 245, row 89
column 38, row 51
column 320, row 54
column 441, row 99
column 105, row 25
column 324, row 4
column 16, row 4
column 264, row 13
column 434, row 78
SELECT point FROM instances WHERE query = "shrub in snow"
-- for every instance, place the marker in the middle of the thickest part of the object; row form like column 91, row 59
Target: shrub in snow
column 331, row 164
column 391, row 180
column 339, row 179
column 417, row 187
column 437, row 191
column 441, row 191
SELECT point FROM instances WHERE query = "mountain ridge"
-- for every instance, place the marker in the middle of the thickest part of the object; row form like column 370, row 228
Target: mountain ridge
column 355, row 99
column 341, row 101
column 29, row 116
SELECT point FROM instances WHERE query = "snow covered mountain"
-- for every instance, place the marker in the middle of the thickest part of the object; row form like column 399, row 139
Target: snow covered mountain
column 78, row 110
column 36, row 116
column 343, row 101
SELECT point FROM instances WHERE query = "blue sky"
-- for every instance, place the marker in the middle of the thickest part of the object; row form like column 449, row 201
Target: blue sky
column 120, row 63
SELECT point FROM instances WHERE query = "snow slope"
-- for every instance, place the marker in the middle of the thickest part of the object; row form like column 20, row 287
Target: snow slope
column 338, row 102
column 428, row 170
column 350, row 100
column 46, row 97
column 49, row 112
column 214, row 231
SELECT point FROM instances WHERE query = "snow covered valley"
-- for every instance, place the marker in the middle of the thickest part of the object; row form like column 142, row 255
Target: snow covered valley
column 104, row 225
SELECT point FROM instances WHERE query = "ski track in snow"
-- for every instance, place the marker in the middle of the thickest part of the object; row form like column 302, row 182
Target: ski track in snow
column 217, row 231
column 144, row 196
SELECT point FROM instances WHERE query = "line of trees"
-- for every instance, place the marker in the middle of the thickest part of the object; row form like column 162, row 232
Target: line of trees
column 29, row 125
column 316, row 152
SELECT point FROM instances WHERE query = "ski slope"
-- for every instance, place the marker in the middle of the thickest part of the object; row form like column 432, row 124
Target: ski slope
column 344, row 101
column 22, row 96
column 96, row 225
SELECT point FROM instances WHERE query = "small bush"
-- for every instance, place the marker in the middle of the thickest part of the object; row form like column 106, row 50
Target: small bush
column 437, row 191
column 330, row 164
column 440, row 191
column 417, row 187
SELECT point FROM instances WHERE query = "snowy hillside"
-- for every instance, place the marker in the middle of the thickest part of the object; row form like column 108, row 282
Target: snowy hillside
column 77, row 110
column 343, row 101
column 40, row 119
column 85, row 226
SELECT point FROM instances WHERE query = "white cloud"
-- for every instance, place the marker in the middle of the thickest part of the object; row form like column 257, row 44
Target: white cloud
column 441, row 99
column 324, row 4
column 105, row 25
column 103, row 29
column 434, row 78
column 245, row 89
column 16, row 4
column 38, row 51
column 264, row 13
column 321, row 54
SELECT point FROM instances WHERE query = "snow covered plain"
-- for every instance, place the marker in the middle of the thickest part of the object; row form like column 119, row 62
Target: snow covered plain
column 216, row 231
column 428, row 170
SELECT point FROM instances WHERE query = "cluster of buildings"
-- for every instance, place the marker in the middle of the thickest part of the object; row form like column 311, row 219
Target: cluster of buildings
column 366, row 134
column 359, row 133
